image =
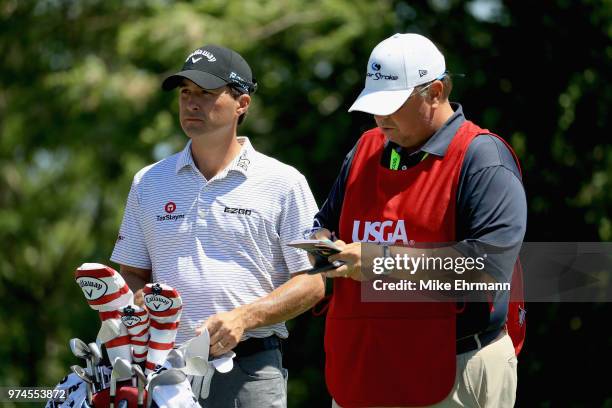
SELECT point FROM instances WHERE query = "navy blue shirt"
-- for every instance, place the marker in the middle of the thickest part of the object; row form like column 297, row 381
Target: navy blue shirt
column 491, row 209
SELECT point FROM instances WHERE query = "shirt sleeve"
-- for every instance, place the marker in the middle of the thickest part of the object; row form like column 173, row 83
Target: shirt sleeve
column 130, row 247
column 329, row 216
column 296, row 217
column 491, row 206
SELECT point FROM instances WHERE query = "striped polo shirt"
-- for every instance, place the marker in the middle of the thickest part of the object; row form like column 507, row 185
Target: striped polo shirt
column 220, row 242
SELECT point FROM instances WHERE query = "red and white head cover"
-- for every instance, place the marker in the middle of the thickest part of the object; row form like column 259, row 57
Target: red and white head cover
column 136, row 319
column 106, row 291
column 164, row 305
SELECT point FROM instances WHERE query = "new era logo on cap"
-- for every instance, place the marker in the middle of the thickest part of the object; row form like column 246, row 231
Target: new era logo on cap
column 404, row 61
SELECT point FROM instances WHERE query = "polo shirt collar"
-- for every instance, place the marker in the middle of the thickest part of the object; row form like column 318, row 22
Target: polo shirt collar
column 439, row 142
column 184, row 159
column 241, row 163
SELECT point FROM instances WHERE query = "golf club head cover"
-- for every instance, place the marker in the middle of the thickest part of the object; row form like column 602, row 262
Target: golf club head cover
column 136, row 320
column 106, row 291
column 120, row 346
column 164, row 305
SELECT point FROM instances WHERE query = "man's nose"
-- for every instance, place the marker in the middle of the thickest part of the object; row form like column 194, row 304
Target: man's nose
column 192, row 104
column 380, row 118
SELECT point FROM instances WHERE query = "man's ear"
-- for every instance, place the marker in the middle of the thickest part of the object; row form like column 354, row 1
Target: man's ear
column 435, row 93
column 244, row 101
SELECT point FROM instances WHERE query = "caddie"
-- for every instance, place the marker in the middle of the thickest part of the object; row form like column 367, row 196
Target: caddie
column 424, row 175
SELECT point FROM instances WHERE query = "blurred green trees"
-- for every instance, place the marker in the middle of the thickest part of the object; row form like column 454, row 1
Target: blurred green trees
column 81, row 111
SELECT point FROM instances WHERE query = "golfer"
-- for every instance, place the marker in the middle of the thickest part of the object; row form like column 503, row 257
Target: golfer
column 212, row 221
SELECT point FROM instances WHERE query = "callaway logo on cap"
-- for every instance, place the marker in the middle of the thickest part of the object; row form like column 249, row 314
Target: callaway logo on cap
column 396, row 66
column 212, row 67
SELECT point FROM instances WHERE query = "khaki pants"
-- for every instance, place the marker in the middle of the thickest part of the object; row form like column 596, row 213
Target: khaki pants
column 486, row 378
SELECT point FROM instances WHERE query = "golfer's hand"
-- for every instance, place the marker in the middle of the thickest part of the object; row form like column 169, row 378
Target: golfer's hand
column 225, row 331
column 139, row 298
column 353, row 255
column 321, row 233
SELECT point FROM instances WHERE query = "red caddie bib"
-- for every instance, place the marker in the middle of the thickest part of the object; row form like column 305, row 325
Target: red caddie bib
column 394, row 353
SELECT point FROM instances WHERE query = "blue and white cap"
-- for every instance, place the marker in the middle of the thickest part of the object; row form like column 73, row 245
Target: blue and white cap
column 396, row 66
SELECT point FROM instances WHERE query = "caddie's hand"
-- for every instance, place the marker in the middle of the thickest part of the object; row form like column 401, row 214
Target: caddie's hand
column 358, row 260
column 225, row 331
column 139, row 298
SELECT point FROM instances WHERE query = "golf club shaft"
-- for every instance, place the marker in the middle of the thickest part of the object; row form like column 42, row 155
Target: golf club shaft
column 90, row 371
column 102, row 377
column 140, row 393
column 96, row 371
column 89, row 393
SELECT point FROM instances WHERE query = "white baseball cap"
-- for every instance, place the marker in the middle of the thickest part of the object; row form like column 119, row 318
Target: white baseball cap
column 396, row 66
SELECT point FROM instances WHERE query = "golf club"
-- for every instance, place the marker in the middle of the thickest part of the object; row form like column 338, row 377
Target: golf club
column 82, row 351
column 82, row 374
column 96, row 357
column 122, row 370
column 142, row 382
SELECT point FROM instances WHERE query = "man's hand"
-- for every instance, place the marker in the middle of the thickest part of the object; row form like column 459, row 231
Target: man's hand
column 225, row 331
column 357, row 258
column 139, row 298
column 321, row 233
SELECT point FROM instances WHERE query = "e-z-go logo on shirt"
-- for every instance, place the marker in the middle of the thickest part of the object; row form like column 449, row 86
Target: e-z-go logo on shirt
column 379, row 231
column 170, row 207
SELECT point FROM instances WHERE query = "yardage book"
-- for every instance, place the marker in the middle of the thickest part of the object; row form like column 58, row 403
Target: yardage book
column 321, row 249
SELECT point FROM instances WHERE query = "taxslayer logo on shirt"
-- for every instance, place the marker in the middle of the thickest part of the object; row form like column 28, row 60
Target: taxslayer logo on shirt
column 170, row 208
column 379, row 231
